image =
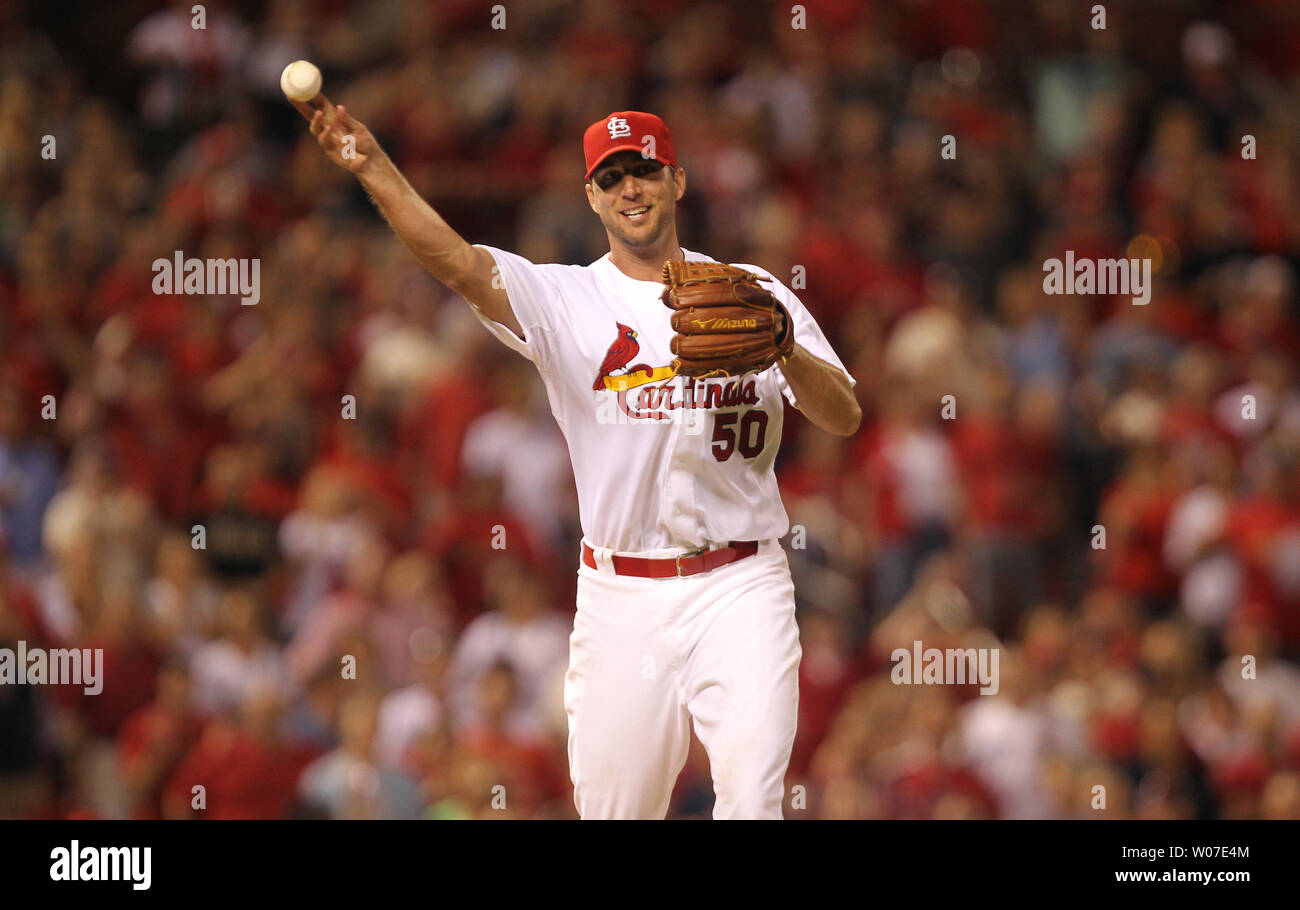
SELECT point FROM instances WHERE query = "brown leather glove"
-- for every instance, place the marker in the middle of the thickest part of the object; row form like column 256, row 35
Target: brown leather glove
column 726, row 323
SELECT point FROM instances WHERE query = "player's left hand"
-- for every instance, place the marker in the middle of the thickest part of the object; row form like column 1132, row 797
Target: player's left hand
column 727, row 324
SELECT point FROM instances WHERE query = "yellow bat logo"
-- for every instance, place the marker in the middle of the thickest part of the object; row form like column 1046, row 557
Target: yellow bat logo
column 631, row 381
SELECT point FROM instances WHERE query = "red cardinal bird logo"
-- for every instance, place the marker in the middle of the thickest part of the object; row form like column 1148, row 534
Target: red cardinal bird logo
column 623, row 349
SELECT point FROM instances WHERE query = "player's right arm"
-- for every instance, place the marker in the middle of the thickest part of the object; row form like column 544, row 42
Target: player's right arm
column 465, row 269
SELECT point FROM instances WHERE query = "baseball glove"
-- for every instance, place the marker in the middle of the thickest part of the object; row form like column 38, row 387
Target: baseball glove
column 726, row 323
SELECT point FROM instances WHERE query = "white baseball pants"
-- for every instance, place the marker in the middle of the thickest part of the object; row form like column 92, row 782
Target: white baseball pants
column 648, row 656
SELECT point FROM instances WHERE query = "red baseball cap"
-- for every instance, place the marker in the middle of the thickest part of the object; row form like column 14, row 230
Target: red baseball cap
column 627, row 131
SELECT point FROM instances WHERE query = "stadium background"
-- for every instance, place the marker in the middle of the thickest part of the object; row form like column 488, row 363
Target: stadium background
column 815, row 148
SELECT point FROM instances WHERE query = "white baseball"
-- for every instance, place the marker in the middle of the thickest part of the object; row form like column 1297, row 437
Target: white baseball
column 300, row 80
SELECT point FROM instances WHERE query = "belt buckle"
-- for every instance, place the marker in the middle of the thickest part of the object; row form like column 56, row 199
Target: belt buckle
column 678, row 559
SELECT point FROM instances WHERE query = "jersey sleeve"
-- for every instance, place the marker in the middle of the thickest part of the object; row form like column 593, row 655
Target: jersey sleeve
column 534, row 299
column 807, row 332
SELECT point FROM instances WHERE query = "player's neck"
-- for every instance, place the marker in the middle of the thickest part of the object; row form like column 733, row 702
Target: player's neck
column 644, row 264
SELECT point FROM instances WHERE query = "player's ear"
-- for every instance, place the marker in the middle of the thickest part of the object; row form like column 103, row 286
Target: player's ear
column 679, row 178
column 591, row 195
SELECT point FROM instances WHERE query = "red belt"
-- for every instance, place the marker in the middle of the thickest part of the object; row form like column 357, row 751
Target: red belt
column 676, row 566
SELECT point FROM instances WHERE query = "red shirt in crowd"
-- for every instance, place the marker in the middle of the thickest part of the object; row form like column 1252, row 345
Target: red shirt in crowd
column 243, row 777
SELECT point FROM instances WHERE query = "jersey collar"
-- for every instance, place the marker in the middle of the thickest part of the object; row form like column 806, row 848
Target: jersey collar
column 606, row 262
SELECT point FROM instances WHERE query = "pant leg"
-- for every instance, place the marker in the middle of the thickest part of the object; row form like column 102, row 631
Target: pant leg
column 628, row 729
column 742, row 681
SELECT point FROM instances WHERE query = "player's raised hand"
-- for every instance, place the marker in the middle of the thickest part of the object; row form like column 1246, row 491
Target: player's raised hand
column 344, row 138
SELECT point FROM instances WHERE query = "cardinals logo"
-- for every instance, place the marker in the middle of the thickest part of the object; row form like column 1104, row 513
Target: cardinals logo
column 620, row 353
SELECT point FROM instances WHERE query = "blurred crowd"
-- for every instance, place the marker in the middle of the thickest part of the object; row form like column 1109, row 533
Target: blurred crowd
column 315, row 605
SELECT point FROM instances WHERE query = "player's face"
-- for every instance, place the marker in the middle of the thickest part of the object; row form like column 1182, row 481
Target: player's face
column 636, row 198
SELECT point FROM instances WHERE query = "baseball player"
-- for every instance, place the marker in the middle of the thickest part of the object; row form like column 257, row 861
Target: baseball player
column 672, row 416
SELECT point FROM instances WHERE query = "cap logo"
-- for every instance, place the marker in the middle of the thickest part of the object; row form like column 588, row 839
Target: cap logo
column 618, row 128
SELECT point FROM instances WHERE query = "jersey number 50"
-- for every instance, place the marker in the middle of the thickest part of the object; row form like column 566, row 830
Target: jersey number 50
column 749, row 436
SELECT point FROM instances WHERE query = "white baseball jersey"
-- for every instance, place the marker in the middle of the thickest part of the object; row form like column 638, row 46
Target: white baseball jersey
column 661, row 463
